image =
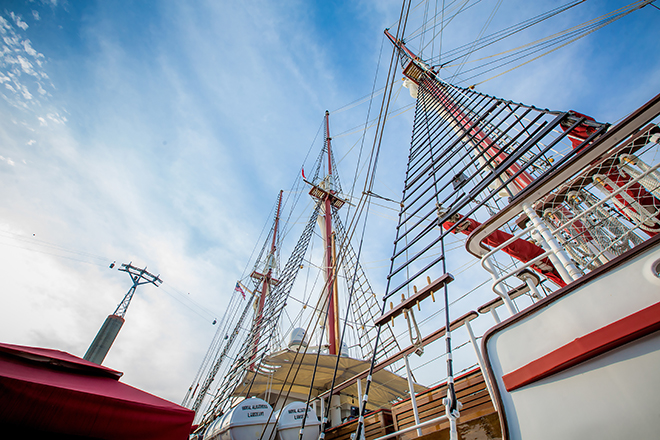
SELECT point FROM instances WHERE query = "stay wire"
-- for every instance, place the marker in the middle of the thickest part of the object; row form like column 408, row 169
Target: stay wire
column 458, row 52
column 474, row 44
column 58, row 248
column 366, row 122
column 558, row 47
column 559, row 36
column 368, row 187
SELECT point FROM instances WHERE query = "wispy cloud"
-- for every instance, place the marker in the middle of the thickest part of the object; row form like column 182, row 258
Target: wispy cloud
column 17, row 19
column 21, row 66
column 8, row 161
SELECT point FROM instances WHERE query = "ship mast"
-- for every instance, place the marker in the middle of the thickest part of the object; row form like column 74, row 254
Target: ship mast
column 328, row 234
column 486, row 150
column 266, row 278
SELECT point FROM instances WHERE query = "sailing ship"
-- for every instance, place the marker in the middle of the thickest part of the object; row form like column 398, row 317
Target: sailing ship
column 562, row 213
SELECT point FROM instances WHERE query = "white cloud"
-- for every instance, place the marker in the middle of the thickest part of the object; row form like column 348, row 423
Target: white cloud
column 7, row 160
column 31, row 142
column 4, row 25
column 57, row 118
column 10, row 41
column 17, row 19
column 28, row 48
column 25, row 65
column 36, row 15
column 24, row 91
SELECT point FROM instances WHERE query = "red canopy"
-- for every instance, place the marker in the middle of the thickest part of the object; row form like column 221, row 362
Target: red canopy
column 53, row 392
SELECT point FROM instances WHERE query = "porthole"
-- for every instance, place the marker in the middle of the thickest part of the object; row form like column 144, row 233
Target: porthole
column 655, row 267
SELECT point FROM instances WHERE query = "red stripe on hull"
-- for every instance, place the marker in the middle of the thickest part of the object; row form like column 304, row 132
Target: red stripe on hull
column 600, row 341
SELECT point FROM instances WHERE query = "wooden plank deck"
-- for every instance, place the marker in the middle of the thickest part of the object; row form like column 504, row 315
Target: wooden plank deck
column 478, row 420
column 376, row 424
column 478, row 412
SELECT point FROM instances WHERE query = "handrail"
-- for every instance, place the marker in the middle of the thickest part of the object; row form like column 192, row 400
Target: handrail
column 457, row 323
column 554, row 231
column 540, row 188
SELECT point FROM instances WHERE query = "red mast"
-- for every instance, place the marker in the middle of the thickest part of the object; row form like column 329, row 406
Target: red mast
column 413, row 71
column 325, row 193
column 267, row 278
column 333, row 323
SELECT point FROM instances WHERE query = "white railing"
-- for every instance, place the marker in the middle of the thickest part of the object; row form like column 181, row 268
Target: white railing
column 556, row 233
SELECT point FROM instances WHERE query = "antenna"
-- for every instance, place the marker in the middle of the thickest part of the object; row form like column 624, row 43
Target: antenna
column 138, row 276
column 106, row 336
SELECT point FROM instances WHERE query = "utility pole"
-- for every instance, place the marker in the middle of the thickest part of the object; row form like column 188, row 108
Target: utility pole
column 106, row 336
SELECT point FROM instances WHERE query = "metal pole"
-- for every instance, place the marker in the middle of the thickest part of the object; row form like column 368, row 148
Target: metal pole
column 359, row 388
column 496, row 317
column 490, row 267
column 413, row 398
column 106, row 336
column 481, row 362
column 532, row 288
column 267, row 279
column 333, row 321
column 567, row 269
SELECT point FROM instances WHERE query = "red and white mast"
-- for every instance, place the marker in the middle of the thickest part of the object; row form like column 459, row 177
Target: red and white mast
column 266, row 278
column 326, row 194
column 328, row 235
column 486, row 150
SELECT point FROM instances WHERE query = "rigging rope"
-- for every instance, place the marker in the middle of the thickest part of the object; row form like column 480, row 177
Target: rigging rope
column 474, row 44
column 632, row 7
column 368, row 187
column 505, row 33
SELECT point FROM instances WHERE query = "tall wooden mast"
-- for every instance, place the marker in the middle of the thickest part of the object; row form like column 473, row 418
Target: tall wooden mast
column 267, row 277
column 330, row 277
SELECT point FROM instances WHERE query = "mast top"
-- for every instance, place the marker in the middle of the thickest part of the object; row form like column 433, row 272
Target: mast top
column 414, row 67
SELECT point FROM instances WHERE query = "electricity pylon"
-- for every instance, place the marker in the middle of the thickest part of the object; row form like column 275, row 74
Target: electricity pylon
column 106, row 336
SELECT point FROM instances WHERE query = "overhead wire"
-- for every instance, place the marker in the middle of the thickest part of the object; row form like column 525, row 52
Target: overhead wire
column 32, row 245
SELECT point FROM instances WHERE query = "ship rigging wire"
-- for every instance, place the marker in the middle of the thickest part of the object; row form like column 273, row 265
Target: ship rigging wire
column 501, row 35
column 474, row 44
column 372, row 168
column 499, row 60
column 368, row 187
column 587, row 30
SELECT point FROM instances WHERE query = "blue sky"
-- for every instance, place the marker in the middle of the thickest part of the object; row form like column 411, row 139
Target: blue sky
column 161, row 132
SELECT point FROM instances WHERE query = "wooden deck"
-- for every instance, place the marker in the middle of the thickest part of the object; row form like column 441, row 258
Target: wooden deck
column 376, row 424
column 478, row 418
column 478, row 421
